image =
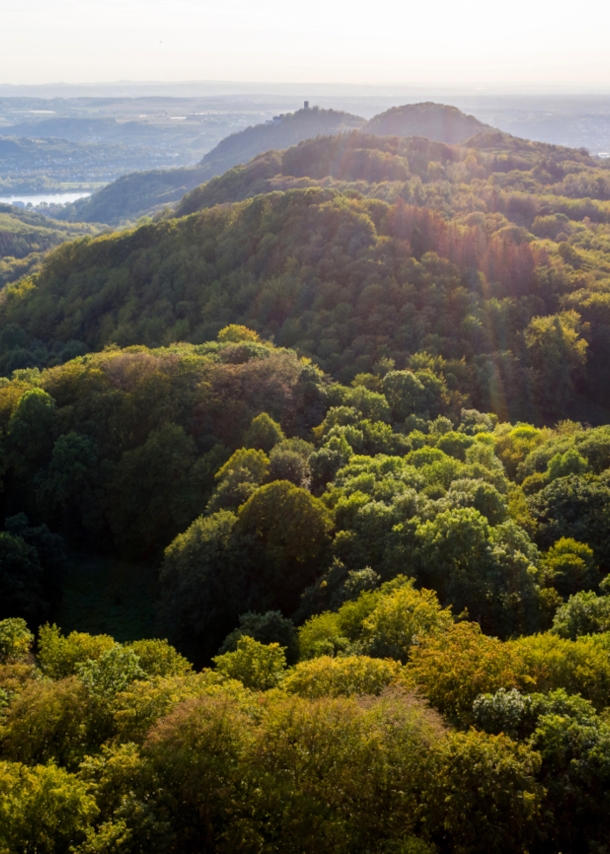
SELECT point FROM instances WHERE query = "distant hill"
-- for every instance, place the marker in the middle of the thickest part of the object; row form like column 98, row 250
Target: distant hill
column 140, row 192
column 133, row 195
column 282, row 132
column 439, row 122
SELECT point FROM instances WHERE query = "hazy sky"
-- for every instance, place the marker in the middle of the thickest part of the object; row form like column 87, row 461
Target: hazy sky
column 387, row 41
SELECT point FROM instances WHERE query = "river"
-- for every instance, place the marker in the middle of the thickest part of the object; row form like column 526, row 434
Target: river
column 39, row 198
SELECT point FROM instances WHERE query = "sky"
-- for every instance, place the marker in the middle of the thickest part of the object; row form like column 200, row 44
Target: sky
column 515, row 43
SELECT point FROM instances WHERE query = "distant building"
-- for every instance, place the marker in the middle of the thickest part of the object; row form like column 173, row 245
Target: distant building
column 306, row 105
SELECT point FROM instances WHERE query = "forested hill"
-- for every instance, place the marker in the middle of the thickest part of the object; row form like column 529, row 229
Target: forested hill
column 433, row 121
column 402, row 615
column 135, row 195
column 449, row 178
column 26, row 235
column 139, row 193
column 396, row 589
column 491, row 257
column 282, row 132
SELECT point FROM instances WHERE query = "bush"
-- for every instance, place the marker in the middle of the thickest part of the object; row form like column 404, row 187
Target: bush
column 342, row 677
column 42, row 809
column 60, row 656
column 255, row 665
column 585, row 613
column 15, row 641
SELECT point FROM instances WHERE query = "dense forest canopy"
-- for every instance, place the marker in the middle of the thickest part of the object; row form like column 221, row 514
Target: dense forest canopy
column 491, row 258
column 403, row 612
column 343, row 409
column 25, row 237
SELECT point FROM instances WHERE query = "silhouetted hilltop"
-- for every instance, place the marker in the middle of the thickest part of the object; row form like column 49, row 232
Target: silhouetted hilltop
column 282, row 132
column 439, row 122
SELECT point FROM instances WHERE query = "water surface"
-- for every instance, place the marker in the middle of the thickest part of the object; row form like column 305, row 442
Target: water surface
column 38, row 198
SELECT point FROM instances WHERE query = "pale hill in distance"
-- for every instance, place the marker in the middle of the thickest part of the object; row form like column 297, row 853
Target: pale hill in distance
column 438, row 122
column 281, row 132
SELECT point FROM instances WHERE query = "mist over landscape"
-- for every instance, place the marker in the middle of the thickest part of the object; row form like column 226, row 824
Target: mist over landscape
column 304, row 428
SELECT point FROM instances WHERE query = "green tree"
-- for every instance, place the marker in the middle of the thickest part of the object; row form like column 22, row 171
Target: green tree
column 584, row 613
column 238, row 478
column 263, row 434
column 158, row 658
column 270, row 627
column 112, row 672
column 71, row 474
column 256, row 665
column 205, row 584
column 31, row 430
column 414, row 393
column 487, row 571
column 576, row 507
column 144, row 494
column 570, row 566
column 290, row 529
column 60, row 656
column 491, row 780
column 50, row 722
column 15, row 640
column 400, row 618
column 558, row 355
column 43, row 809
column 342, row 677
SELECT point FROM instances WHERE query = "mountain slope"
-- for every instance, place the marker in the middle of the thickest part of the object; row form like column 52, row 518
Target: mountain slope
column 26, row 235
column 287, row 130
column 351, row 281
column 134, row 195
column 141, row 192
column 439, row 122
column 418, row 170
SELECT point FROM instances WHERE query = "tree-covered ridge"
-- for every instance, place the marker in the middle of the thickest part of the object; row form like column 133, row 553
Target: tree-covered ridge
column 25, row 236
column 510, row 299
column 135, row 195
column 450, row 178
column 142, row 193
